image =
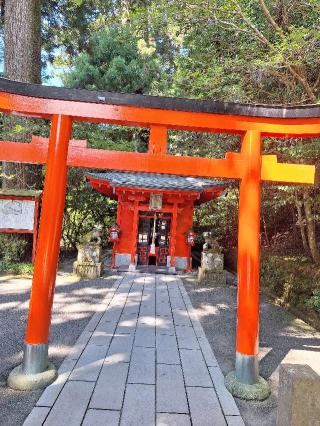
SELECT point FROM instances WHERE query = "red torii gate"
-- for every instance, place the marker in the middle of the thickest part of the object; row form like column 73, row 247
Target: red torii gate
column 65, row 106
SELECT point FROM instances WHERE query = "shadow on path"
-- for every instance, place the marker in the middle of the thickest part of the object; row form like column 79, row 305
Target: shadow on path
column 283, row 338
column 74, row 303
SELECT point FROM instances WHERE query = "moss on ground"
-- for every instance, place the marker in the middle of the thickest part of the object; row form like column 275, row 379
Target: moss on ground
column 16, row 268
column 293, row 281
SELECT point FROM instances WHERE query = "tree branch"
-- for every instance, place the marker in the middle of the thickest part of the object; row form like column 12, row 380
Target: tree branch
column 270, row 17
column 317, row 82
column 255, row 30
column 303, row 80
column 304, row 83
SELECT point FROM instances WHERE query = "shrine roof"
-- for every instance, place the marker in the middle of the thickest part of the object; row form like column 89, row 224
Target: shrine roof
column 157, row 181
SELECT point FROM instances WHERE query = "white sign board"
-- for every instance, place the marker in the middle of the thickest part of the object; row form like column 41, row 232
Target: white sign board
column 155, row 202
column 17, row 214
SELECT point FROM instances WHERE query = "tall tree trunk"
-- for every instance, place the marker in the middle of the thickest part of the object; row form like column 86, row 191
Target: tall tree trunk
column 302, row 224
column 22, row 38
column 22, row 62
column 311, row 227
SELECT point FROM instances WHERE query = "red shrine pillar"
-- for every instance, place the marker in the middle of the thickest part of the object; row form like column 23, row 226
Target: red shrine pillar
column 135, row 224
column 173, row 238
column 247, row 345
column 35, row 358
column 115, row 243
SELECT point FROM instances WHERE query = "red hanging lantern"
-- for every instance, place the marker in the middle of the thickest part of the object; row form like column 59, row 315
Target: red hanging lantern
column 114, row 232
column 191, row 237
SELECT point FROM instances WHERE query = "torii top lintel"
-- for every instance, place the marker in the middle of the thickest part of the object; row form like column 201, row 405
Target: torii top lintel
column 159, row 114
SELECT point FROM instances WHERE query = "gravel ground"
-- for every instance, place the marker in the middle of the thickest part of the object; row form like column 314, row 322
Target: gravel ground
column 75, row 302
column 283, row 338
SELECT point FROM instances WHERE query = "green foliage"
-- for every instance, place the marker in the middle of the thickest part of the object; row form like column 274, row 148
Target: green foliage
column 200, row 144
column 292, row 279
column 224, row 50
column 114, row 62
column 67, row 23
column 314, row 301
column 230, row 50
column 112, row 137
column 220, row 216
column 85, row 208
column 13, row 248
column 19, row 268
column 21, row 129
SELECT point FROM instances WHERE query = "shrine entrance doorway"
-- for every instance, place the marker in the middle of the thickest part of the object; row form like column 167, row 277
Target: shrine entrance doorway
column 153, row 239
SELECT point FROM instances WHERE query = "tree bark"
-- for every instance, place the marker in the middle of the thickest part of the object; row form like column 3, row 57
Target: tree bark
column 22, row 40
column 22, row 62
column 302, row 224
column 311, row 227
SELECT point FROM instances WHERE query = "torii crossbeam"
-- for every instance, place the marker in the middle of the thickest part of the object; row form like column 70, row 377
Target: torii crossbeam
column 65, row 106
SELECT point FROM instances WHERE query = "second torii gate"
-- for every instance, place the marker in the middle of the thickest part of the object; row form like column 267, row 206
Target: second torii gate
column 65, row 106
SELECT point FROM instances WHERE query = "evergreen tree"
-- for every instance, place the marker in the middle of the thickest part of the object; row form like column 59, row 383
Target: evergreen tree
column 115, row 60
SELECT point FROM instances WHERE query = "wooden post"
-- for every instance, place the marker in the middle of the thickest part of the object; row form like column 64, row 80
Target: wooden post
column 158, row 140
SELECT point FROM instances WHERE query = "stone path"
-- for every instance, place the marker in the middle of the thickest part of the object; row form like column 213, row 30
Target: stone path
column 142, row 360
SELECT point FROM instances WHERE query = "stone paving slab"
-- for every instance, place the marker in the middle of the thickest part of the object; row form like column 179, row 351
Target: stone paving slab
column 145, row 336
column 204, row 407
column 138, row 406
column 171, row 394
column 186, row 337
column 109, row 391
column 143, row 366
column 235, row 421
column 165, row 419
column 101, row 418
column 194, row 367
column 51, row 393
column 167, row 349
column 226, row 399
column 71, row 405
column 143, row 359
column 37, row 416
column 89, row 364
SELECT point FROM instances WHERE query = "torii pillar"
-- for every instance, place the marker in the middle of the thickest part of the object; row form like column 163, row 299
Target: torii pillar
column 245, row 382
column 247, row 346
column 35, row 370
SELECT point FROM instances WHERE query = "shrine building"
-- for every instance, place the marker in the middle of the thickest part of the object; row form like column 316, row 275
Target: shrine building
column 154, row 216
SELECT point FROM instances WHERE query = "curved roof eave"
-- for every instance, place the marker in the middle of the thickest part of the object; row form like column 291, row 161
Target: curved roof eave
column 157, row 181
column 159, row 102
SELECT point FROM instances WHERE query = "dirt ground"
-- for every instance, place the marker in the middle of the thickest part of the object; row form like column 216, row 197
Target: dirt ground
column 283, row 339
